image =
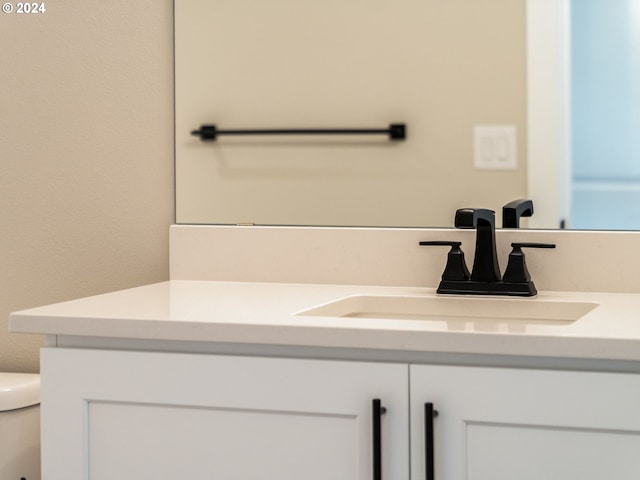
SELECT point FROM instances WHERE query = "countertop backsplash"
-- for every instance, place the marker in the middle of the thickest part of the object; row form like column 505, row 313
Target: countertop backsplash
column 583, row 261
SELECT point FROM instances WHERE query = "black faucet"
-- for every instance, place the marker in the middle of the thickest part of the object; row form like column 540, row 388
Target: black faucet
column 485, row 278
column 485, row 262
column 515, row 209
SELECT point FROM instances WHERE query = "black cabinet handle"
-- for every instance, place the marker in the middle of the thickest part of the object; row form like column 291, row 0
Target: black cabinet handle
column 377, row 410
column 429, row 464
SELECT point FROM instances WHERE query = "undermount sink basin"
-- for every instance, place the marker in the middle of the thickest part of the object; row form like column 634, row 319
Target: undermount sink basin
column 449, row 308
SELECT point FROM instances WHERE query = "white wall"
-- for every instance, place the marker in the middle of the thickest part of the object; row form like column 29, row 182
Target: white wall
column 86, row 155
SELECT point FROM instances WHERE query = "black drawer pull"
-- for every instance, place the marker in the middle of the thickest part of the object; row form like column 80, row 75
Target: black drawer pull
column 429, row 463
column 377, row 410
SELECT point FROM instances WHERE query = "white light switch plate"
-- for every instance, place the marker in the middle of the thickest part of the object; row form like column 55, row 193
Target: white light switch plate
column 494, row 147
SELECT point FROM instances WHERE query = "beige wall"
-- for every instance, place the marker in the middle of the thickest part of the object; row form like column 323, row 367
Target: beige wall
column 86, row 155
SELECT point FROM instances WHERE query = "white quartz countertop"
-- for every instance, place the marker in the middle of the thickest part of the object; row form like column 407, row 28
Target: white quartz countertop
column 265, row 314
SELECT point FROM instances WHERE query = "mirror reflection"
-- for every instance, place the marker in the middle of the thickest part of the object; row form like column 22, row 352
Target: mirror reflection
column 502, row 99
column 605, row 113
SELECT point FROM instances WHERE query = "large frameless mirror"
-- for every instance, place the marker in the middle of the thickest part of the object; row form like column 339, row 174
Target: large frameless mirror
column 502, row 99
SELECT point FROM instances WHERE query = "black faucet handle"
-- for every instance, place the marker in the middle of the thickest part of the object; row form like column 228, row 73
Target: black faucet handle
column 517, row 271
column 532, row 245
column 456, row 268
column 515, row 209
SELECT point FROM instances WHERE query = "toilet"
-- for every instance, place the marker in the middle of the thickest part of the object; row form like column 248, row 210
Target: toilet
column 19, row 426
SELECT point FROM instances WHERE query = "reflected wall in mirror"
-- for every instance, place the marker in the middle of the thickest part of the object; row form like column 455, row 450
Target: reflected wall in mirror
column 605, row 113
column 443, row 68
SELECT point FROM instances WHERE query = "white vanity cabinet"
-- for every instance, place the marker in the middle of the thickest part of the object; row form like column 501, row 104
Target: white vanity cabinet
column 128, row 415
column 506, row 424
column 122, row 415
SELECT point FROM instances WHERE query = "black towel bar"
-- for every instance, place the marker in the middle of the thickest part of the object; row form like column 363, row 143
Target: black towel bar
column 396, row 131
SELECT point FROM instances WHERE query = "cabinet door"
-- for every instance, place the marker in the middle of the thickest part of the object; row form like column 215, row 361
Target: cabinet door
column 507, row 424
column 110, row 415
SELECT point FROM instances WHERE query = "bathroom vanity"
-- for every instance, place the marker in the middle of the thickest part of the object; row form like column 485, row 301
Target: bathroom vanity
column 245, row 365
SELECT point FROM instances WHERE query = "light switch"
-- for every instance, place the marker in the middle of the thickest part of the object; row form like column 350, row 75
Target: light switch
column 494, row 147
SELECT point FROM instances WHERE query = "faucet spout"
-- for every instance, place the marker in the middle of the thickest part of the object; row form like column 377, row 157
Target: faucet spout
column 512, row 212
column 485, row 262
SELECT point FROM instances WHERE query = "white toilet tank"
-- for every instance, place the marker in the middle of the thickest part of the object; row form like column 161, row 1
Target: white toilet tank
column 19, row 426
